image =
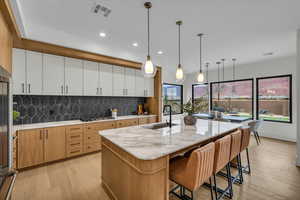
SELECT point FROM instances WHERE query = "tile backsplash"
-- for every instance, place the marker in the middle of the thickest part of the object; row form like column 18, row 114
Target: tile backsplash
column 37, row 108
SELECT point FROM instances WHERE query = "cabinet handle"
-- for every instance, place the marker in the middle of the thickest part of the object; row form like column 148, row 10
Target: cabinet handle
column 75, row 144
column 67, row 90
column 47, row 134
column 62, row 89
column 41, row 134
column 29, row 88
column 23, row 87
column 97, row 91
column 101, row 91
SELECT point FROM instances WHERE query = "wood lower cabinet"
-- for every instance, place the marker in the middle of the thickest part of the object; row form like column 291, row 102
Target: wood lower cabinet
column 30, row 147
column 37, row 146
column 54, row 143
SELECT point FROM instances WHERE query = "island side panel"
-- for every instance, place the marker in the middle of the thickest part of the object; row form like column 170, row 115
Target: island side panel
column 125, row 177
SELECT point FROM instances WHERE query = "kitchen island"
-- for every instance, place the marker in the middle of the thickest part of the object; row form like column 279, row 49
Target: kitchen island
column 135, row 160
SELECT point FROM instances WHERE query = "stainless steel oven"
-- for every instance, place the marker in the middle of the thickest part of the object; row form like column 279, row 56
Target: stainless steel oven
column 5, row 136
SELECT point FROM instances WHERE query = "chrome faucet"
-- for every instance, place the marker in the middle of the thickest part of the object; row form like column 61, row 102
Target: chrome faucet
column 170, row 114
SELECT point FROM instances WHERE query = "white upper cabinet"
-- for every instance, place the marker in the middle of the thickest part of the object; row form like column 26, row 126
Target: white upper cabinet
column 53, row 79
column 118, row 81
column 91, row 78
column 139, row 84
column 149, row 87
column 19, row 71
column 105, row 80
column 73, row 77
column 130, row 82
column 34, row 73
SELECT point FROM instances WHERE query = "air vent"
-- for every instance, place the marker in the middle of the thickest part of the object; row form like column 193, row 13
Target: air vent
column 101, row 9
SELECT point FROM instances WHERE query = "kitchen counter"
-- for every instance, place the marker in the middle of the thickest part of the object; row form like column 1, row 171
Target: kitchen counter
column 147, row 144
column 71, row 122
column 141, row 156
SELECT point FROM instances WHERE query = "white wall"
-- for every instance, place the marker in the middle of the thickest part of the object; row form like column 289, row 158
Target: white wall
column 298, row 88
column 277, row 66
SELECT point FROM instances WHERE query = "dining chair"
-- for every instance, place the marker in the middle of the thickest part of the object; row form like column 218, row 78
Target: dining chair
column 254, row 126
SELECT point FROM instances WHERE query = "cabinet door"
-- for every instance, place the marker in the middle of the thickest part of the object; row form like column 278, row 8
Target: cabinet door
column 149, row 87
column 30, row 147
column 34, row 72
column 91, row 78
column 53, row 75
column 118, row 81
column 106, row 80
column 55, row 143
column 19, row 71
column 129, row 82
column 139, row 84
column 73, row 77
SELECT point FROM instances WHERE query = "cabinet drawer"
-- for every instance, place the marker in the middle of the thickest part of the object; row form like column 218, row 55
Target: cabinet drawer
column 106, row 125
column 152, row 120
column 74, row 152
column 77, row 136
column 74, row 129
column 92, row 147
column 90, row 138
column 127, row 122
column 74, row 145
column 143, row 120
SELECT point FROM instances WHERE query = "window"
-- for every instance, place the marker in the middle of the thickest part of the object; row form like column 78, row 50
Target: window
column 233, row 97
column 200, row 95
column 173, row 96
column 274, row 96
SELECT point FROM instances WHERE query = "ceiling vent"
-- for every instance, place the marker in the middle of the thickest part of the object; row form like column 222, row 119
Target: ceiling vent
column 101, row 9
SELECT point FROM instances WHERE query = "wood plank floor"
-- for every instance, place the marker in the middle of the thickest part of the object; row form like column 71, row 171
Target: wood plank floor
column 274, row 176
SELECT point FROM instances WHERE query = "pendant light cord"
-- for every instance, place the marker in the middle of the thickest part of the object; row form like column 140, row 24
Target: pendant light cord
column 148, row 20
column 200, row 53
column 233, row 70
column 223, row 70
column 179, row 53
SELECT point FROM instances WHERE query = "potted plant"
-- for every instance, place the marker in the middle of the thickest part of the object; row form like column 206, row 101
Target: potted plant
column 189, row 108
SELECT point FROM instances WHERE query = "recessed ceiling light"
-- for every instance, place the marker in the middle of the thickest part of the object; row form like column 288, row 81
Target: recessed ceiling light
column 135, row 44
column 102, row 34
column 160, row 52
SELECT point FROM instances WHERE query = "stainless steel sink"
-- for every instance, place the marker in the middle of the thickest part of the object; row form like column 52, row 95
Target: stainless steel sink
column 159, row 126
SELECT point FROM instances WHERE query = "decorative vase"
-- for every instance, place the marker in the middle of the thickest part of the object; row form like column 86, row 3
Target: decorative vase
column 190, row 120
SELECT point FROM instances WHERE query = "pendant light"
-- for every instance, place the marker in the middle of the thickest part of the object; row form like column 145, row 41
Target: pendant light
column 223, row 69
column 207, row 65
column 233, row 74
column 200, row 76
column 179, row 71
column 149, row 70
column 218, row 63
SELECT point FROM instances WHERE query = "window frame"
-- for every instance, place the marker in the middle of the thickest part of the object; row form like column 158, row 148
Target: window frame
column 290, row 97
column 230, row 81
column 181, row 97
column 193, row 95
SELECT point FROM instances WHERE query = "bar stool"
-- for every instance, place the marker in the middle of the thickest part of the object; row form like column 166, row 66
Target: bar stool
column 244, row 146
column 190, row 173
column 222, row 159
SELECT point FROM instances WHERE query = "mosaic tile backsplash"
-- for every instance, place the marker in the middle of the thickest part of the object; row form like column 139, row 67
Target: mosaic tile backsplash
column 36, row 109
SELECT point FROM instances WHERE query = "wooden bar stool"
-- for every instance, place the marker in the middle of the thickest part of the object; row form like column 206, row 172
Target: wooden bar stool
column 222, row 159
column 235, row 150
column 244, row 146
column 190, row 173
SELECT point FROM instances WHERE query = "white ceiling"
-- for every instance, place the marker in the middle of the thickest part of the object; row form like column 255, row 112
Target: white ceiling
column 243, row 29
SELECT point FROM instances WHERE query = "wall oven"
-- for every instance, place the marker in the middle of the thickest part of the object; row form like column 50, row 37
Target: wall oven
column 7, row 176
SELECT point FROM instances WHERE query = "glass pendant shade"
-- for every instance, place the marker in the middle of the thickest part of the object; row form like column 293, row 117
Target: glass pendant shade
column 200, row 77
column 148, row 69
column 179, row 74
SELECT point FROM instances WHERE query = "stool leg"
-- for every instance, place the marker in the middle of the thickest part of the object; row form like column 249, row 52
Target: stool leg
column 248, row 161
column 240, row 169
column 215, row 187
column 229, row 180
column 258, row 136
column 211, row 189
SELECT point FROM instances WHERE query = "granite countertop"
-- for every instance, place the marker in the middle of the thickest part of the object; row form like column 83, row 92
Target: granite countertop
column 147, row 144
column 71, row 122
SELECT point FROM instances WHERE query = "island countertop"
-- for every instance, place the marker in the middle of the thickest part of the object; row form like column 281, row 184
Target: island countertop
column 147, row 144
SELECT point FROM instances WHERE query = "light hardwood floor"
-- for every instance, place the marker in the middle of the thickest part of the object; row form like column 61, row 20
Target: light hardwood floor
column 274, row 176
